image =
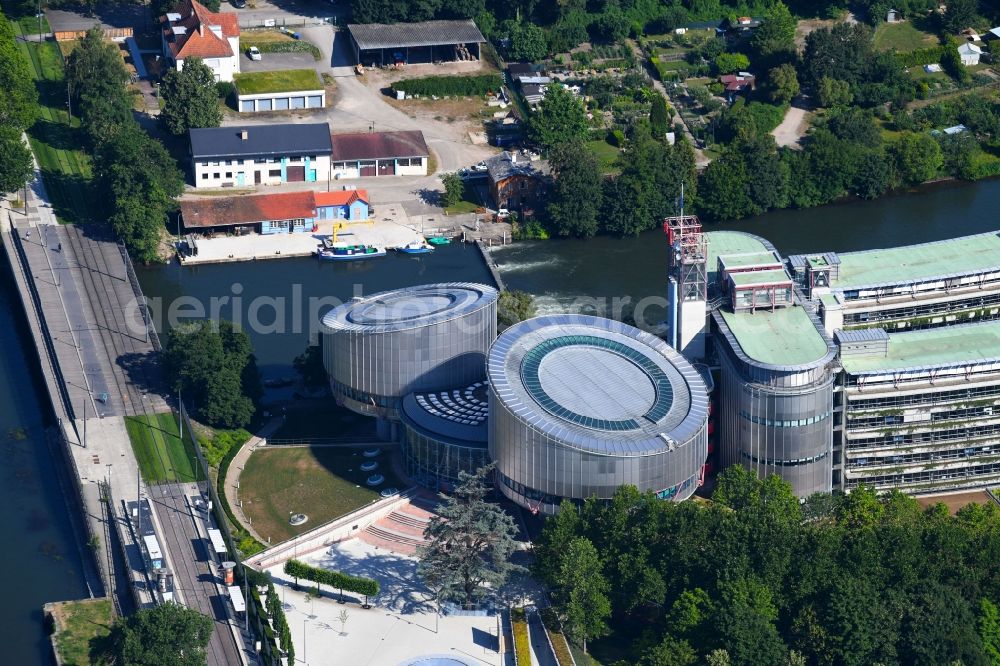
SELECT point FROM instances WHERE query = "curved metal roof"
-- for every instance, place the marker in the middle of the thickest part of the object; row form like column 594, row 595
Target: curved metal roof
column 411, row 307
column 597, row 384
column 457, row 416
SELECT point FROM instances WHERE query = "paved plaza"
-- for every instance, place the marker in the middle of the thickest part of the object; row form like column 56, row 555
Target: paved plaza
column 401, row 626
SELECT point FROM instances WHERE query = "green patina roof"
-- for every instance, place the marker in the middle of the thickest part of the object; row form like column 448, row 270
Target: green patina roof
column 969, row 254
column 945, row 345
column 759, row 277
column 785, row 336
column 750, row 259
column 729, row 242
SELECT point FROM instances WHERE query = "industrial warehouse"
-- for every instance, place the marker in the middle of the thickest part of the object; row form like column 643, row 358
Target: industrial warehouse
column 830, row 370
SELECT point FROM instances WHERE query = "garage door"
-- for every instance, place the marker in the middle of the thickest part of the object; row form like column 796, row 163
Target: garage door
column 368, row 168
column 386, row 167
column 296, row 174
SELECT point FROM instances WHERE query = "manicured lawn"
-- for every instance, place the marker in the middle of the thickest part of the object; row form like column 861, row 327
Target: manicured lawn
column 83, row 629
column 323, row 482
column 56, row 140
column 289, row 80
column 274, row 41
column 157, row 445
column 902, row 37
column 605, row 153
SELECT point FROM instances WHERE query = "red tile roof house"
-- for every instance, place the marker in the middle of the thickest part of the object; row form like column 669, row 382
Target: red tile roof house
column 291, row 212
column 379, row 154
column 192, row 31
column 742, row 82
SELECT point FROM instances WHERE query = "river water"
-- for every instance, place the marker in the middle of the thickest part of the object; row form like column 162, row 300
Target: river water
column 39, row 559
column 284, row 296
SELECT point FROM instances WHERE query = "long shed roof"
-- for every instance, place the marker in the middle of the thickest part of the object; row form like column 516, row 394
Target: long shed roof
column 404, row 35
column 378, row 145
column 944, row 346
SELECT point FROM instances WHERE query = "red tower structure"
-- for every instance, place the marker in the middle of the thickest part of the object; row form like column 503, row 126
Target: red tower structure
column 687, row 284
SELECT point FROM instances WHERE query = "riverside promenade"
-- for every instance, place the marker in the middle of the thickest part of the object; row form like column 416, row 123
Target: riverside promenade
column 100, row 364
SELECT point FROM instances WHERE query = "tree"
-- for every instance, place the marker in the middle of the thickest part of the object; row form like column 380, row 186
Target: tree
column 18, row 95
column 190, row 98
column 468, row 543
column 989, row 630
column 727, row 63
column 16, row 165
column 775, row 38
column 514, row 306
column 553, row 543
column 745, row 624
column 670, row 652
column 659, row 116
column 454, row 189
column 559, row 119
column 781, row 84
column 959, row 15
column 582, row 593
column 166, row 635
column 576, row 194
column 918, row 157
column 526, row 41
column 834, row 92
column 97, row 77
column 214, row 367
column 309, row 365
column 873, row 177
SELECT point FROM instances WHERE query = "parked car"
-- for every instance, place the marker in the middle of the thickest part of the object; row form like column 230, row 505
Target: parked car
column 239, row 4
column 503, row 214
column 253, row 53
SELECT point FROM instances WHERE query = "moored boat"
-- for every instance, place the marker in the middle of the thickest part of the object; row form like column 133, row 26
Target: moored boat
column 416, row 247
column 349, row 252
column 438, row 240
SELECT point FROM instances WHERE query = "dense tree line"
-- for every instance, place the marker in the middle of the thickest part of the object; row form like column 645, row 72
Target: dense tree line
column 138, row 178
column 165, row 635
column 214, row 367
column 18, row 110
column 756, row 579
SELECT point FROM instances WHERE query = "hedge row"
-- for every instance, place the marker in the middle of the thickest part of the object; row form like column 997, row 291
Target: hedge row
column 926, row 56
column 450, row 86
column 336, row 579
column 522, row 644
column 297, row 46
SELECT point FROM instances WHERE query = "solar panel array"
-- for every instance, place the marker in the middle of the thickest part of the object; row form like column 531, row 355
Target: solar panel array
column 465, row 406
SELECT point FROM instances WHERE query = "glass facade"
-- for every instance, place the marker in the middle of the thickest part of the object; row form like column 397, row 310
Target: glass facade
column 433, row 463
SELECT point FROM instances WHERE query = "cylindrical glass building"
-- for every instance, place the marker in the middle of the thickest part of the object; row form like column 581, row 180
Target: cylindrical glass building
column 580, row 406
column 379, row 348
column 444, row 433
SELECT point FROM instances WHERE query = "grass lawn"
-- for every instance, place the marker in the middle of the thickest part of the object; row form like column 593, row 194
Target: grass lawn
column 323, row 482
column 29, row 25
column 162, row 456
column 605, row 153
column 289, row 80
column 56, row 140
column 82, row 628
column 903, row 37
column 462, row 207
column 275, row 41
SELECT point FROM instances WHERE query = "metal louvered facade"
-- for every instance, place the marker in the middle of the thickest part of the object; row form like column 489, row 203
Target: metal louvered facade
column 580, row 406
column 382, row 347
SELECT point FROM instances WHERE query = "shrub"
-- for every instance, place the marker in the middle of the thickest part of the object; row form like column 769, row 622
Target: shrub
column 981, row 165
column 450, row 86
column 215, row 449
column 225, row 89
column 917, row 57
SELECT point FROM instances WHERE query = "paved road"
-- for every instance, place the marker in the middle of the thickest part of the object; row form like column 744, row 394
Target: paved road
column 194, row 578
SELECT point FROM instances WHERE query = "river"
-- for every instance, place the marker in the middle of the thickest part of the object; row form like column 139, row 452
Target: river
column 39, row 558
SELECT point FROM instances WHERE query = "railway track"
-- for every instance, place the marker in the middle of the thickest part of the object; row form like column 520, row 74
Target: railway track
column 134, row 363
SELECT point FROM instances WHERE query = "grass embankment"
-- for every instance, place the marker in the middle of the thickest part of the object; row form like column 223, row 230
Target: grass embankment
column 288, row 80
column 522, row 644
column 56, row 140
column 322, row 482
column 81, row 630
column 275, row 41
column 158, row 448
column 559, row 642
column 902, row 37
